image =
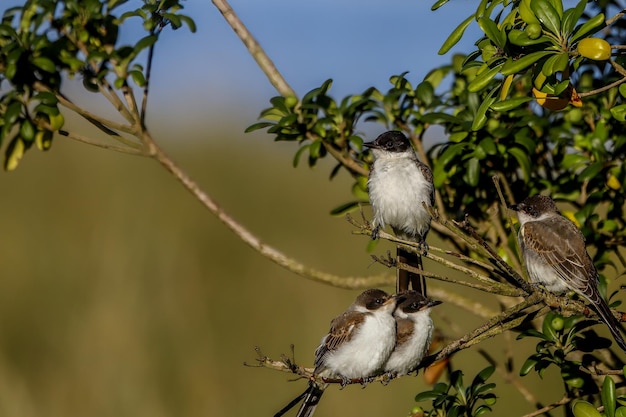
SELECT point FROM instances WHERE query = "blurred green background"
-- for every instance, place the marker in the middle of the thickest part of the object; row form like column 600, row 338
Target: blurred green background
column 121, row 296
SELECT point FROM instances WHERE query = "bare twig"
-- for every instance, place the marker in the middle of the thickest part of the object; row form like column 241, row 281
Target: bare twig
column 254, row 48
column 561, row 402
column 93, row 142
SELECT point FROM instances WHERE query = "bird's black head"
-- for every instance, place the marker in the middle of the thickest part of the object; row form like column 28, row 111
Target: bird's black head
column 392, row 141
column 536, row 205
column 373, row 299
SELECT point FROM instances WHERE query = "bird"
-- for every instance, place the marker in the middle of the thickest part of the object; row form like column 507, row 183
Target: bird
column 399, row 187
column 556, row 257
column 357, row 346
column 414, row 330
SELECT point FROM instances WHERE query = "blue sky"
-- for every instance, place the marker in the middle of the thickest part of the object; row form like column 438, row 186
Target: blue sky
column 357, row 43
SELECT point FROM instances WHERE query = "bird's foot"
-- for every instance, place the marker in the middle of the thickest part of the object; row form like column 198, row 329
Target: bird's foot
column 387, row 377
column 375, row 233
column 423, row 247
column 345, row 382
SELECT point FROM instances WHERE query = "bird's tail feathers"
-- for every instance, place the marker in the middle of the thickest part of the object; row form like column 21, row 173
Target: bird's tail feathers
column 612, row 323
column 408, row 280
column 311, row 398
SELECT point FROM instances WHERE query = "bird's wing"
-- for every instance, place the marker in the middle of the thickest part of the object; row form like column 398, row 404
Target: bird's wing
column 404, row 331
column 560, row 245
column 342, row 328
column 428, row 175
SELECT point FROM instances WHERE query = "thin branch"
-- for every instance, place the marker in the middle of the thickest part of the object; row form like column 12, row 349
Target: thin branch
column 602, row 89
column 254, row 48
column 93, row 142
column 561, row 402
column 348, row 163
column 90, row 117
column 253, row 241
column 610, row 21
column 471, row 306
column 497, row 321
column 491, row 287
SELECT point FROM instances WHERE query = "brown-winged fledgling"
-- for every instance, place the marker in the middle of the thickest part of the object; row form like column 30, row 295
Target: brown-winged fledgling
column 357, row 346
column 414, row 331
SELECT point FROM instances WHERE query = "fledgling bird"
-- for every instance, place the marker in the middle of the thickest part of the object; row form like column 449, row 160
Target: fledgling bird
column 357, row 345
column 399, row 186
column 555, row 256
column 414, row 330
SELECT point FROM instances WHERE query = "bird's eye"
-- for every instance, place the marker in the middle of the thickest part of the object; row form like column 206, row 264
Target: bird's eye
column 380, row 300
column 389, row 145
column 414, row 306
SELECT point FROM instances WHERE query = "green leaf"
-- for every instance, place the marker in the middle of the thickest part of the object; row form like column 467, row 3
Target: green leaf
column 483, row 79
column 518, row 65
column 480, row 118
column 438, row 4
column 425, row 92
column 145, row 42
column 455, row 36
column 491, row 30
column 473, row 172
column 520, row 38
column 556, row 63
column 345, row 208
column 257, row 126
column 45, row 64
column 509, row 104
column 522, row 161
column 589, row 27
column 619, row 112
column 547, row 15
column 571, row 17
column 528, row 366
column 299, row 152
column 582, row 408
column 608, row 396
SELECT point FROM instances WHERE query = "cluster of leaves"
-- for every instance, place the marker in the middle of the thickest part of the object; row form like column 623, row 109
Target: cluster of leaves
column 562, row 341
column 44, row 40
column 454, row 399
column 610, row 402
column 494, row 126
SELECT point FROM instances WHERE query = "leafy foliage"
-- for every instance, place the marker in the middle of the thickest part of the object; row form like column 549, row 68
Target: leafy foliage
column 43, row 40
column 454, row 399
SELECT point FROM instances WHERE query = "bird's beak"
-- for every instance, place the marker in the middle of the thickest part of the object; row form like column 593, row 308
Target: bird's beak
column 392, row 299
column 512, row 207
column 432, row 303
column 371, row 145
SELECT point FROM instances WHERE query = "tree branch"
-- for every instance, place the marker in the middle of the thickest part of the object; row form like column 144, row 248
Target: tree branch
column 259, row 55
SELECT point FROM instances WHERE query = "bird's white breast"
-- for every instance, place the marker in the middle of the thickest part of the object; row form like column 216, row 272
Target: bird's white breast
column 398, row 190
column 367, row 351
column 407, row 356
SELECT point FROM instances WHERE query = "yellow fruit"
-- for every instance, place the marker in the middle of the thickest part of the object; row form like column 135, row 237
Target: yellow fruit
column 594, row 48
column 613, row 183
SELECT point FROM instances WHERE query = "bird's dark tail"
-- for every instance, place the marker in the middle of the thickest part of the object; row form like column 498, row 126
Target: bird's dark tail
column 409, row 280
column 609, row 319
column 311, row 399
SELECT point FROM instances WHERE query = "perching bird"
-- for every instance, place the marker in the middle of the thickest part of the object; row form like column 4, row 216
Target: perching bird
column 399, row 186
column 414, row 330
column 555, row 256
column 357, row 346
